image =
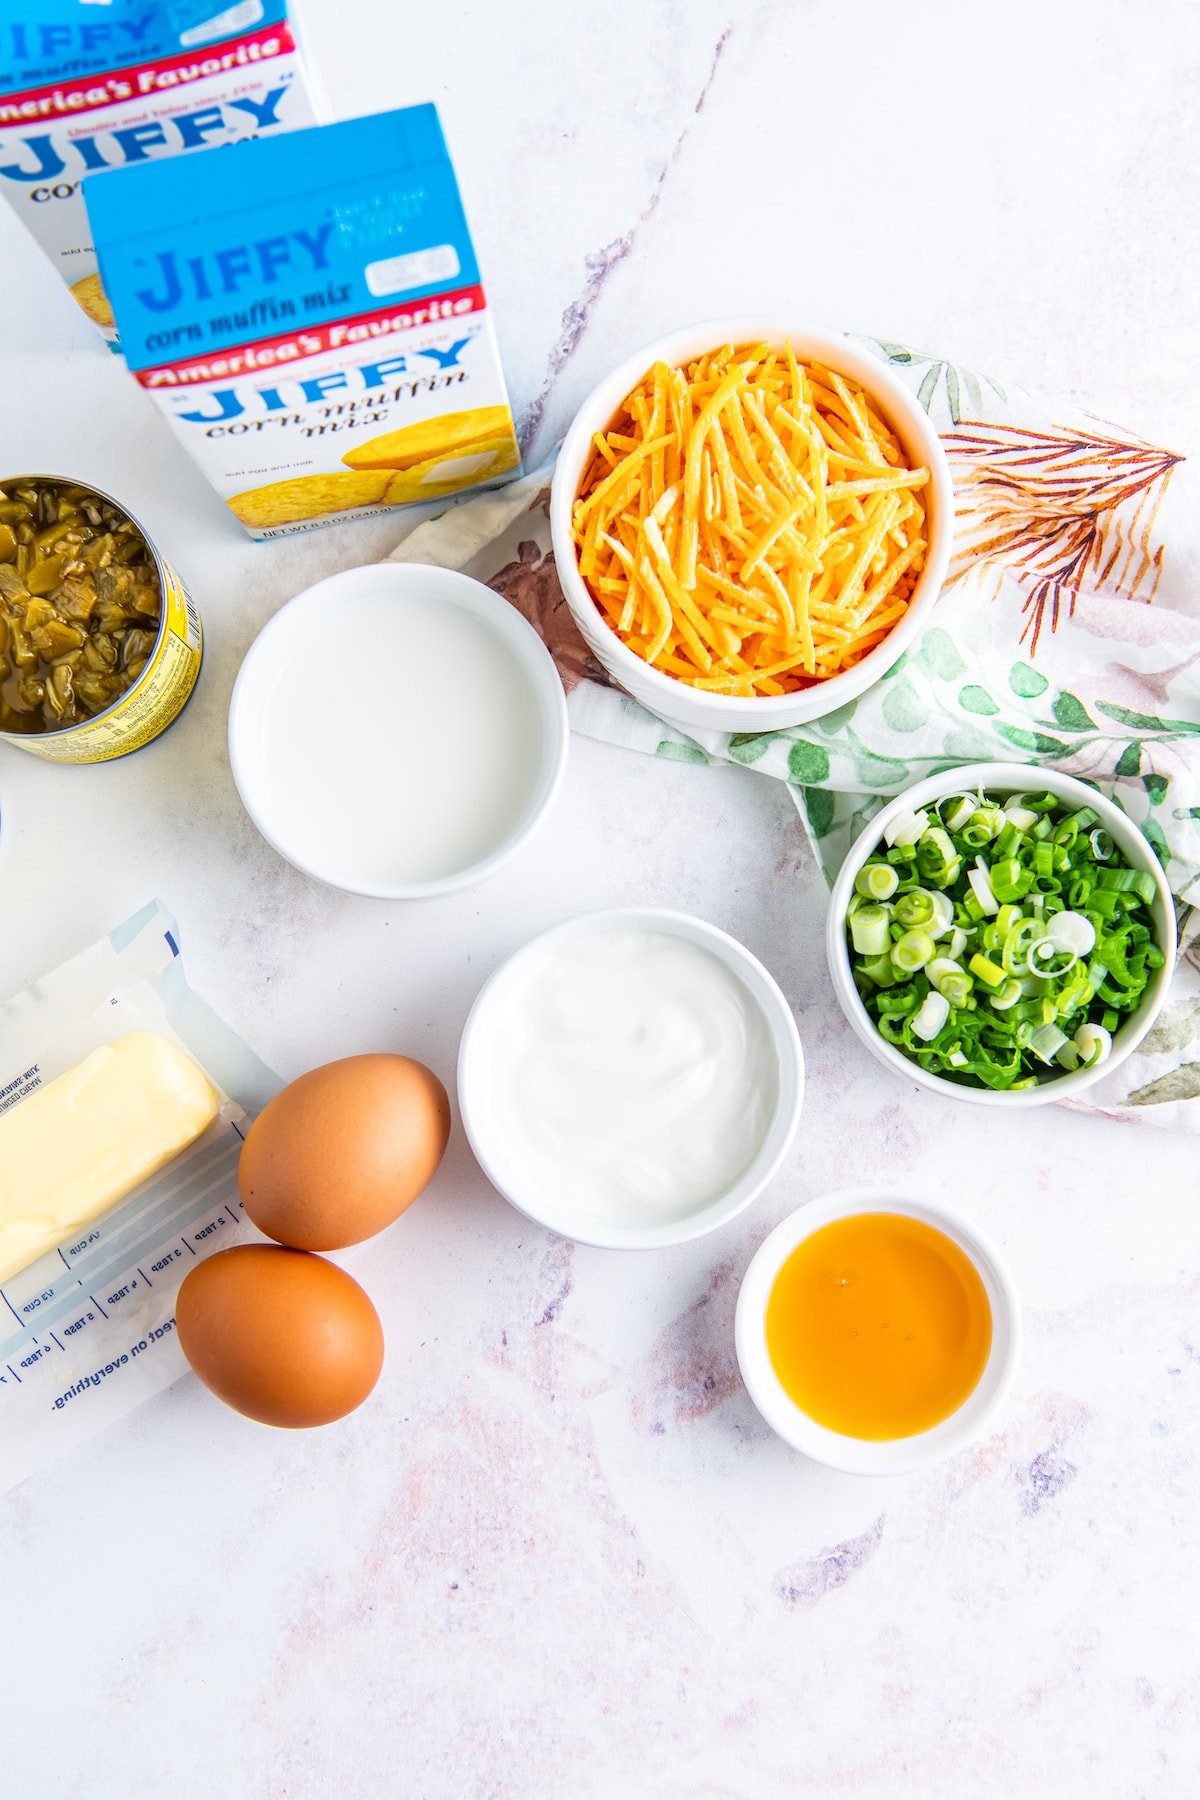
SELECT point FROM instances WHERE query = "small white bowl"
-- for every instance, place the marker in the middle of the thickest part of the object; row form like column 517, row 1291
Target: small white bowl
column 356, row 747
column 864, row 1456
column 548, row 1209
column 1001, row 778
column 693, row 708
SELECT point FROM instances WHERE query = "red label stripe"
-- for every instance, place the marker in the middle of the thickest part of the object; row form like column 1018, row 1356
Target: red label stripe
column 265, row 355
column 88, row 93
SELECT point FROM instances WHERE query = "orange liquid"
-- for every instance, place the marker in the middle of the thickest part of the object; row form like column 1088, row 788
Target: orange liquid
column 878, row 1326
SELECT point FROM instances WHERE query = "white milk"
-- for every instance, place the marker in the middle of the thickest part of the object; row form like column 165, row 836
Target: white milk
column 399, row 740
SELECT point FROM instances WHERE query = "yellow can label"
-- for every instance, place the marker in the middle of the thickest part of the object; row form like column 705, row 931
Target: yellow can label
column 157, row 697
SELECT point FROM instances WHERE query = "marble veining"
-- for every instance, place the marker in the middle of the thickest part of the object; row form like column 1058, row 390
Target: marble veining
column 601, row 263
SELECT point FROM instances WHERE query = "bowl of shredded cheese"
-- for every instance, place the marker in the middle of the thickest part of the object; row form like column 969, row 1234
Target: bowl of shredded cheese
column 750, row 524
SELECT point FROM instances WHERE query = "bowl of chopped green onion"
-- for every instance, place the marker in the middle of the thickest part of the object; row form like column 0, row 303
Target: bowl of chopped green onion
column 1001, row 934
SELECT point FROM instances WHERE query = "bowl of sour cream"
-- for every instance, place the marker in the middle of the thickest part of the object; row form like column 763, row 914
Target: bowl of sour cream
column 631, row 1079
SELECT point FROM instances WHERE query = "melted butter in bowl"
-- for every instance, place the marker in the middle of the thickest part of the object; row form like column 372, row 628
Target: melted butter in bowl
column 631, row 1079
column 877, row 1331
column 879, row 1326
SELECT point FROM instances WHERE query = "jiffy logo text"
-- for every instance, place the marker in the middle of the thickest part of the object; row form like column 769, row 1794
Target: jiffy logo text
column 225, row 403
column 42, row 157
column 228, row 270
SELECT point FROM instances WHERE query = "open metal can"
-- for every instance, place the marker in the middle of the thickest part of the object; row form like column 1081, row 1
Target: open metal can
column 158, row 689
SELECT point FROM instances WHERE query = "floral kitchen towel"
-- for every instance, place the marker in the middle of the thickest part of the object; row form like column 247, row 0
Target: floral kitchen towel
column 1065, row 637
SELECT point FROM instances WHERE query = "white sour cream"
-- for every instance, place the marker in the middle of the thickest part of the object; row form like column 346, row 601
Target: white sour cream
column 630, row 1075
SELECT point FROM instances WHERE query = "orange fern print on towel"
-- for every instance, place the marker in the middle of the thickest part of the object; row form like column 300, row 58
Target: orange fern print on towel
column 1058, row 509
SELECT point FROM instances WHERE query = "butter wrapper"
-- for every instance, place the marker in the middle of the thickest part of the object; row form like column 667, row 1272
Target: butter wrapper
column 308, row 314
column 97, row 86
column 87, row 1332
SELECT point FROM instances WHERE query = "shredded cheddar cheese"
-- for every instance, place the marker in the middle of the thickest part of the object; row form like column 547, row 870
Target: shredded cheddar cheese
column 749, row 524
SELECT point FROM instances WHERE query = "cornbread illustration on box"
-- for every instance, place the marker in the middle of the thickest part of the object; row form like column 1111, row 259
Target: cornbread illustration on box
column 94, row 86
column 309, row 316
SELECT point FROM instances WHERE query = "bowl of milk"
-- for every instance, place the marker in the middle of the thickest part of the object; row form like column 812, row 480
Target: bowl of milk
column 398, row 731
column 631, row 1079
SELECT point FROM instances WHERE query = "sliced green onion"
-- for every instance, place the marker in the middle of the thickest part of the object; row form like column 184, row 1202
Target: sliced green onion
column 1050, row 933
column 1015, row 953
column 1009, row 880
column 914, row 908
column 937, row 858
column 869, row 930
column 912, row 951
column 1049, row 958
column 942, row 921
column 1110, row 954
column 879, row 970
column 931, row 1016
column 1094, row 1043
column 955, row 810
column 876, row 881
column 905, row 828
column 1130, row 881
column 950, row 979
column 982, row 826
column 1047, row 1041
column 988, row 971
column 981, row 887
column 1073, row 932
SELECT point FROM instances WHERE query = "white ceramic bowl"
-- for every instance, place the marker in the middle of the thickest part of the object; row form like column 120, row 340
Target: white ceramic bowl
column 498, row 1162
column 692, row 708
column 1001, row 778
column 862, row 1456
column 283, row 651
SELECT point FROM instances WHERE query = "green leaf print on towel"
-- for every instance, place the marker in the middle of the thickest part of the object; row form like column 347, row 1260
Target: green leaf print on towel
column 1025, row 682
column 819, row 806
column 748, row 746
column 1071, row 713
column 938, row 653
column 1036, row 741
column 1148, row 721
column 674, row 751
column 807, row 764
column 977, row 700
column 903, row 708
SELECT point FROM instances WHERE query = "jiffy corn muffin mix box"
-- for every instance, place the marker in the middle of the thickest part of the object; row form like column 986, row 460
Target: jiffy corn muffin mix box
column 98, row 84
column 308, row 314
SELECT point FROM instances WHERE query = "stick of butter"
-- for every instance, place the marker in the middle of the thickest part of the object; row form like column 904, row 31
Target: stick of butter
column 76, row 1147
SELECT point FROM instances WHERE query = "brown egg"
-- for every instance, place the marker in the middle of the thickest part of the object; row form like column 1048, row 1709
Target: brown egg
column 284, row 1337
column 343, row 1150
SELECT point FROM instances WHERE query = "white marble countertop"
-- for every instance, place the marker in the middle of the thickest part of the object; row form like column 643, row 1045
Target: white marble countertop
column 557, row 1554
